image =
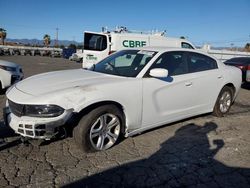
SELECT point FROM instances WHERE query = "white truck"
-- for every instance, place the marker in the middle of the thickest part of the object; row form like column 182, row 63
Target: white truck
column 97, row 46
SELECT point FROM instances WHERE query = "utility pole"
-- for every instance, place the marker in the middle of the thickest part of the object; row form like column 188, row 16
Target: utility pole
column 232, row 44
column 56, row 42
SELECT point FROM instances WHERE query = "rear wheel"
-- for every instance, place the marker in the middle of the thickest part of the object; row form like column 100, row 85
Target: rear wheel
column 100, row 129
column 224, row 102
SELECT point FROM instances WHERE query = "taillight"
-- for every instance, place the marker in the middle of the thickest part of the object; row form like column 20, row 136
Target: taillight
column 248, row 74
column 241, row 67
column 244, row 68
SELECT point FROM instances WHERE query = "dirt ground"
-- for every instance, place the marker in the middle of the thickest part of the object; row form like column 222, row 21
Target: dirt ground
column 204, row 151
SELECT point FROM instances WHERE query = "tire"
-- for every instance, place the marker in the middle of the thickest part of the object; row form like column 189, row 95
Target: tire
column 1, row 89
column 224, row 102
column 100, row 129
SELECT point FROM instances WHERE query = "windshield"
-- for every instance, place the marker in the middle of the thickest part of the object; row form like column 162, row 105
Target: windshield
column 95, row 42
column 126, row 63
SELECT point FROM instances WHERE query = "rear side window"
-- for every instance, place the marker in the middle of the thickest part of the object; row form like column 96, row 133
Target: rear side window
column 186, row 45
column 198, row 62
column 174, row 62
column 95, row 42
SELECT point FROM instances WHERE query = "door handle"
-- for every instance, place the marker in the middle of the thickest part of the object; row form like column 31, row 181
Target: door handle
column 219, row 77
column 188, row 84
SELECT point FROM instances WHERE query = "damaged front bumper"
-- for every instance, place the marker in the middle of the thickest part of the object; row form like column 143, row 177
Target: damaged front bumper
column 35, row 127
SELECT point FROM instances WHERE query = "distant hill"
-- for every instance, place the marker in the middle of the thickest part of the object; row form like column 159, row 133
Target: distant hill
column 40, row 42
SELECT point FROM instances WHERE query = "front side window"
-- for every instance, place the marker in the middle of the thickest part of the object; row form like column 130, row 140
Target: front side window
column 126, row 63
column 198, row 62
column 95, row 42
column 174, row 62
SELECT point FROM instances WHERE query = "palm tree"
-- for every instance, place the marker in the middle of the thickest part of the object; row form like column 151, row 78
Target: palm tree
column 3, row 35
column 46, row 40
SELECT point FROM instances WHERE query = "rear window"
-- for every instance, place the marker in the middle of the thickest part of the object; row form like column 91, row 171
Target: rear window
column 95, row 42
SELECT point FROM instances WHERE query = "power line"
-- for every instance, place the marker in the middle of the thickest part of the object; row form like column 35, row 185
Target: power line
column 28, row 26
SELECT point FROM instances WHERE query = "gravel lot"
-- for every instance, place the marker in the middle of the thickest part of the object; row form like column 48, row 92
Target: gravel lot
column 200, row 152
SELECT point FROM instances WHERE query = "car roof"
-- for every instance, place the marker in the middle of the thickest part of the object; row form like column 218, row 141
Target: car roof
column 168, row 49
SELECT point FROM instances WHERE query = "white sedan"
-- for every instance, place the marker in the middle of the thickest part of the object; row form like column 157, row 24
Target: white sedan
column 10, row 73
column 127, row 93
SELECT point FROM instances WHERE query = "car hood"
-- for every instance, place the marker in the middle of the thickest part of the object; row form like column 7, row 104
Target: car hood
column 9, row 64
column 60, row 80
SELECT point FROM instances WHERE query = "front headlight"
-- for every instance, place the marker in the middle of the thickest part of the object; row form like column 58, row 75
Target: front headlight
column 7, row 68
column 43, row 110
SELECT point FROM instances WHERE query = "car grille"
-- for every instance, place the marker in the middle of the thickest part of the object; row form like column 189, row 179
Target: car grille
column 16, row 109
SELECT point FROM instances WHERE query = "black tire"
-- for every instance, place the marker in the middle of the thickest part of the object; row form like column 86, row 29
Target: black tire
column 82, row 131
column 1, row 90
column 219, row 109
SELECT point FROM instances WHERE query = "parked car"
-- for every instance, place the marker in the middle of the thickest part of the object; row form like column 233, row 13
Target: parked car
column 1, row 51
column 16, row 52
column 243, row 63
column 27, row 52
column 75, row 57
column 56, row 54
column 67, row 52
column 6, row 51
column 10, row 73
column 46, row 53
column 127, row 93
column 36, row 52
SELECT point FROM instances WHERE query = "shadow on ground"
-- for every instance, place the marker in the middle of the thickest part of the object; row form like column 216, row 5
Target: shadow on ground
column 8, row 138
column 185, row 160
column 246, row 86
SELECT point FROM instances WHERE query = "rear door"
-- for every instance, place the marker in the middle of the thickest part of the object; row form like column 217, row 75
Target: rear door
column 206, row 79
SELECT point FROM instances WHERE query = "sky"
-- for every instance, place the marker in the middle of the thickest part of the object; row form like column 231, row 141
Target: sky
column 217, row 22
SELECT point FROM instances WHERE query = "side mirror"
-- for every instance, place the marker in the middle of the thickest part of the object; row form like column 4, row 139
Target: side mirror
column 158, row 73
column 88, row 65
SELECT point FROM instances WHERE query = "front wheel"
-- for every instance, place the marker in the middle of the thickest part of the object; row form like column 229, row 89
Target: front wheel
column 99, row 129
column 224, row 102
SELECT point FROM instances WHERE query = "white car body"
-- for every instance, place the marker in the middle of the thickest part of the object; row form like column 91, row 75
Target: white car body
column 146, row 102
column 10, row 73
column 75, row 57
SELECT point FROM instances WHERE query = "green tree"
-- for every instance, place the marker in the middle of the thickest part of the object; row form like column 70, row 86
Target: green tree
column 72, row 46
column 182, row 37
column 46, row 40
column 79, row 46
column 3, row 35
column 62, row 46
